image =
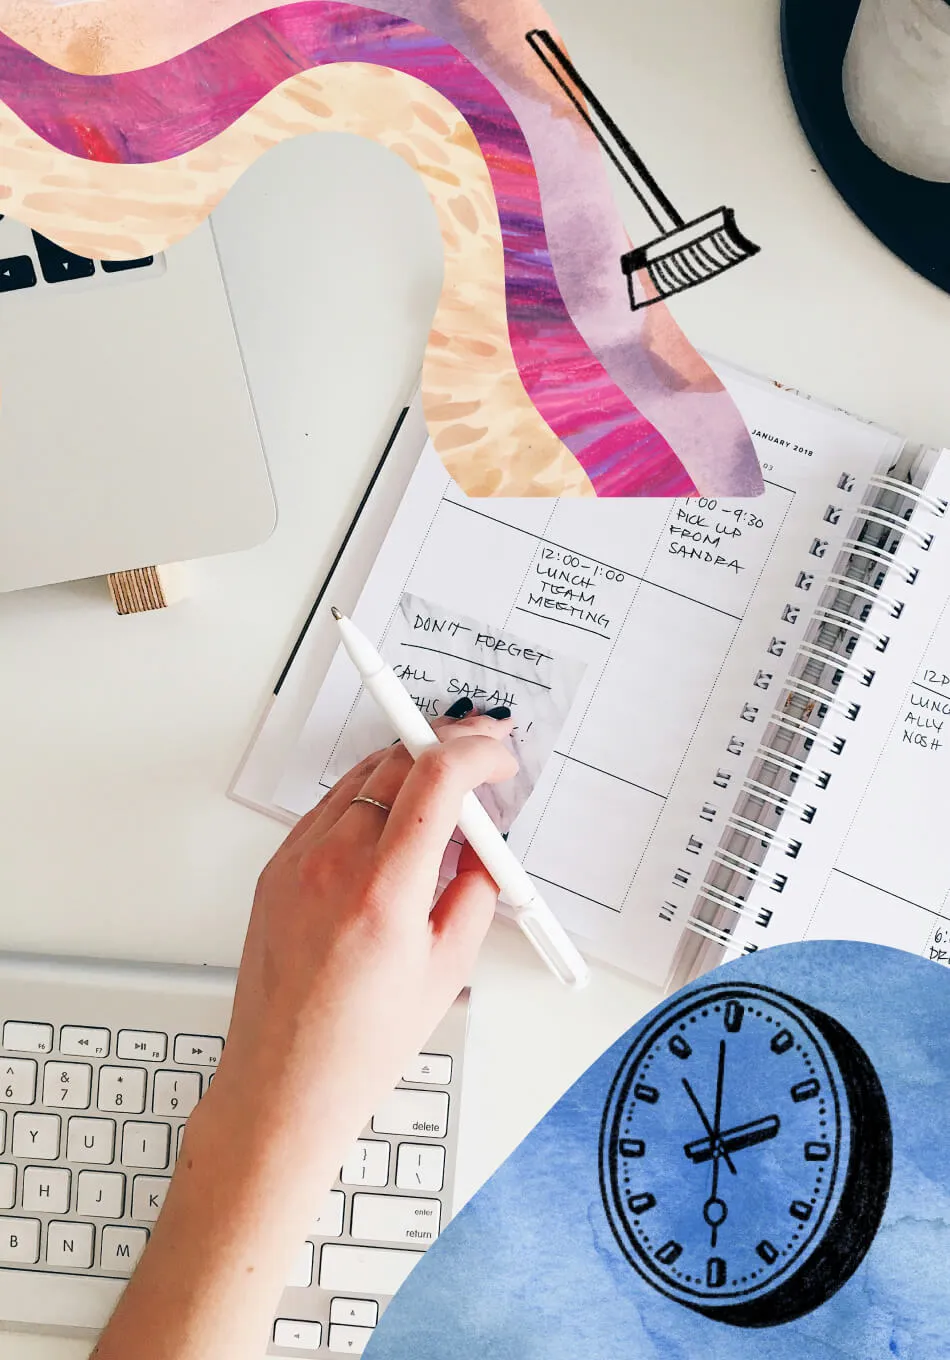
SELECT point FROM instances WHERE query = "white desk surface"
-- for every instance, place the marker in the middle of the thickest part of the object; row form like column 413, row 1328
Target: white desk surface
column 120, row 735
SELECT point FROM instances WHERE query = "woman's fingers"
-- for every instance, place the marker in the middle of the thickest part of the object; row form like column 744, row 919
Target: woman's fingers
column 322, row 816
column 427, row 808
column 363, row 823
column 464, row 911
column 334, row 803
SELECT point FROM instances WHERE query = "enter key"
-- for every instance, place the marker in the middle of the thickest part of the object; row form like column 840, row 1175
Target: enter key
column 396, row 1218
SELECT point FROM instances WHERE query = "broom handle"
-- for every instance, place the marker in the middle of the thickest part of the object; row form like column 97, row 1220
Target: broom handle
column 655, row 202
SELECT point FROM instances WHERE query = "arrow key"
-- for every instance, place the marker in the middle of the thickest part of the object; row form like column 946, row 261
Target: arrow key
column 16, row 272
column 117, row 266
column 354, row 1312
column 348, row 1340
column 58, row 264
column 298, row 1336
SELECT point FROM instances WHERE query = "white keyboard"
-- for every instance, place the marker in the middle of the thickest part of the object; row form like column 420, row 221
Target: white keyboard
column 101, row 1064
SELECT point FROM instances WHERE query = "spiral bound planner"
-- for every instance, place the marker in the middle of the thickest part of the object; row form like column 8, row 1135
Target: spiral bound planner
column 826, row 825
column 757, row 750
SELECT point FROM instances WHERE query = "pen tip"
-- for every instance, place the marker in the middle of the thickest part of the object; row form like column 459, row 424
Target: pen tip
column 335, row 612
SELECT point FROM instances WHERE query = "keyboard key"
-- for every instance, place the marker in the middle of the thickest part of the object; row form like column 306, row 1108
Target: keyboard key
column 425, row 1112
column 27, row 1038
column 300, row 1336
column 431, row 1069
column 18, row 1080
column 36, row 1135
column 16, row 272
column 3, row 1128
column 67, row 1084
column 330, row 1222
column 100, row 1194
column 367, row 1164
column 90, row 1140
column 396, row 1218
column 198, row 1050
column 121, row 1248
column 348, row 1340
column 146, row 1145
column 115, row 266
column 420, row 1166
column 354, row 1312
column 7, row 1186
column 122, row 1088
column 70, row 1244
column 302, row 1274
column 176, row 1093
column 46, row 1189
column 30, row 1300
column 81, row 1041
column 364, row 1270
column 59, row 264
column 20, row 1240
column 148, row 1196
column 142, row 1045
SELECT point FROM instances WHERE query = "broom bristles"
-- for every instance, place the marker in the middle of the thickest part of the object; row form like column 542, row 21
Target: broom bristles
column 683, row 258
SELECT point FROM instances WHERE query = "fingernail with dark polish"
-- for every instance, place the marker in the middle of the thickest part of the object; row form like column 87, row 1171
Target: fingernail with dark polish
column 499, row 713
column 459, row 708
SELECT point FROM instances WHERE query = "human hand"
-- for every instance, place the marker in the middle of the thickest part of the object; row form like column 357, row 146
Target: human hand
column 345, row 972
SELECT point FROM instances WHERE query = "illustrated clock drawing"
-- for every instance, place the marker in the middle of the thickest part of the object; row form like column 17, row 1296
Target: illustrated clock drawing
column 745, row 1154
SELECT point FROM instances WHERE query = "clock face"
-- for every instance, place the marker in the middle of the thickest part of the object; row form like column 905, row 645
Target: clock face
column 729, row 1152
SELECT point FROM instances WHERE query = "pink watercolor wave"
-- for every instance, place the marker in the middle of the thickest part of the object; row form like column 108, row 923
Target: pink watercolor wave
column 166, row 110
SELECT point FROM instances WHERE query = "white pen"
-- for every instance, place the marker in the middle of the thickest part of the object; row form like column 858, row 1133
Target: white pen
column 532, row 914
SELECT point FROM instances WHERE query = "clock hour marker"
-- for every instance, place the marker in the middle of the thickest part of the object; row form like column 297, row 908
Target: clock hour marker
column 767, row 1252
column 806, row 1090
column 817, row 1152
column 679, row 1047
column 669, row 1252
column 640, row 1204
column 648, row 1094
column 783, row 1041
column 715, row 1272
column 800, row 1210
column 632, row 1147
column 733, row 1017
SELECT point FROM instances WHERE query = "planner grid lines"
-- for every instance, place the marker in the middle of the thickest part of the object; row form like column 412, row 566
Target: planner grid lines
column 690, row 645
column 447, row 519
column 567, row 756
column 937, row 913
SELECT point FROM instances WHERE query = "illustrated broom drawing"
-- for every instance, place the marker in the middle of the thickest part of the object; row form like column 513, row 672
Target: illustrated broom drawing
column 685, row 253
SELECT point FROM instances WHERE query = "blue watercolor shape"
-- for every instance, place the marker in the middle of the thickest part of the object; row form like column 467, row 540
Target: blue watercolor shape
column 547, row 1261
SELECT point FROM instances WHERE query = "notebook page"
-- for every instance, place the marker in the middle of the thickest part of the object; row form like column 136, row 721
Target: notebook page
column 666, row 602
column 877, row 866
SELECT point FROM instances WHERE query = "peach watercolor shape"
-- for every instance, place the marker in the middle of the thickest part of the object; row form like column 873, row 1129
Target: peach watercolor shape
column 484, row 426
column 103, row 36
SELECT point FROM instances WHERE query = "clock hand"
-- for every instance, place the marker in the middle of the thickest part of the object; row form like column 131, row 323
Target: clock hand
column 720, row 1074
column 714, row 1140
column 715, row 1210
column 733, row 1140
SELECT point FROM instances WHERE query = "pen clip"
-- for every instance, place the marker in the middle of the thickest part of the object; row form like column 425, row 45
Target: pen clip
column 555, row 947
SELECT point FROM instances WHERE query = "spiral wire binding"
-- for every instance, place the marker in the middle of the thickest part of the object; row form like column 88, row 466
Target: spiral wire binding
column 783, row 762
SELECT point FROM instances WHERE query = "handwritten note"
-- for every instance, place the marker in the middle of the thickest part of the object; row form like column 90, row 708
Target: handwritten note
column 441, row 656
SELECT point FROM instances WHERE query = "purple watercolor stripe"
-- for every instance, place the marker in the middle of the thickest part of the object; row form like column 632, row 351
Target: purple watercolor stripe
column 169, row 109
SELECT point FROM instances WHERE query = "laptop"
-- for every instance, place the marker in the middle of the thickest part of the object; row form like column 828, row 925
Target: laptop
column 127, row 432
